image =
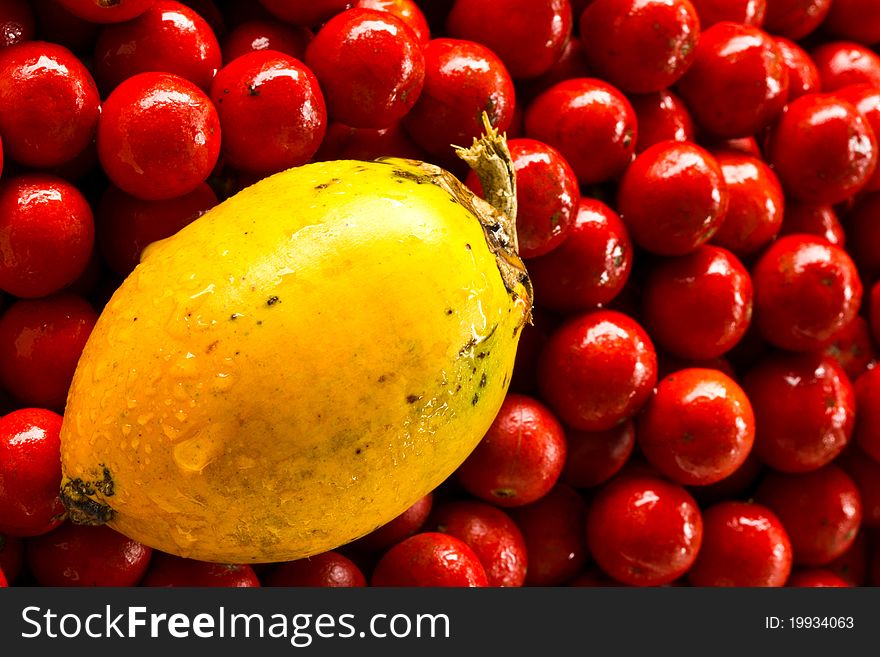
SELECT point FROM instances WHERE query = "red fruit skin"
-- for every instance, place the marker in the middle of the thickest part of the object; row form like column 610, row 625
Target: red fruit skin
column 867, row 429
column 744, row 544
column 528, row 36
column 167, row 570
column 16, row 22
column 96, row 11
column 661, row 116
column 853, row 348
column 406, row 10
column 590, row 266
column 266, row 35
column 852, row 565
column 738, row 82
column 79, row 555
column 463, row 79
column 643, row 530
column 672, row 198
column 326, row 570
column 430, row 559
column 795, row 19
column 370, row 67
column 697, row 306
column 343, row 142
column 520, row 458
column 593, row 457
column 756, row 208
column 806, row 290
column 11, row 556
column 821, row 511
column 816, row 578
column 553, row 529
column 49, row 104
column 813, row 219
column 856, row 20
column 158, row 137
column 803, row 76
column 865, row 97
column 401, row 527
column 307, row 14
column 272, row 112
column 735, row 486
column 863, row 236
column 46, row 234
column 747, row 12
column 3, row 582
column 40, row 343
column 640, row 46
column 168, row 37
column 698, row 428
column 491, row 534
column 30, row 472
column 590, row 122
column 842, row 63
column 804, row 410
column 865, row 472
column 597, row 370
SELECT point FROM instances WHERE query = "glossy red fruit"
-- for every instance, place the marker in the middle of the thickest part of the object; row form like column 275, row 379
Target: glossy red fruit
column 101, row 11
column 597, row 370
column 816, row 578
column 698, row 428
column 865, row 472
column 673, row 198
column 661, row 116
column 852, row 565
column 820, row 510
column 853, row 348
column 804, row 410
column 401, row 527
column 756, row 207
column 553, row 529
column 590, row 122
column 79, row 555
column 430, row 559
column 272, row 112
column 325, row 570
column 863, row 235
column 803, row 76
column 127, row 224
column 747, row 12
column 813, row 219
column 738, row 82
column 643, row 530
column 46, row 234
column 463, row 79
column 590, row 266
column 16, row 22
column 11, row 556
column 795, row 19
column 168, row 37
column 30, row 472
column 822, row 148
column 266, row 35
column 744, row 544
column 806, row 290
column 842, row 63
column 406, row 10
column 521, row 456
column 40, row 343
column 867, row 429
column 491, row 534
column 309, row 13
column 640, row 46
column 593, row 457
column 3, row 582
column 528, row 36
column 865, row 97
column 858, row 20
column 49, row 104
column 167, row 570
column 699, row 305
column 547, row 196
column 343, row 142
column 158, row 137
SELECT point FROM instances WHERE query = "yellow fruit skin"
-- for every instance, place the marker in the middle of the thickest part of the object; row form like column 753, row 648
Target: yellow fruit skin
column 293, row 369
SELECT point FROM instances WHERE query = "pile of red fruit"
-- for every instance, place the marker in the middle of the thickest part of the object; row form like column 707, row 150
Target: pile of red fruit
column 699, row 210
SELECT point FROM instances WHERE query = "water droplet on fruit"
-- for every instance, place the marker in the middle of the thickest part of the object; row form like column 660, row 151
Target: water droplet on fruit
column 223, row 381
column 126, row 429
column 144, row 418
column 135, row 442
column 192, row 455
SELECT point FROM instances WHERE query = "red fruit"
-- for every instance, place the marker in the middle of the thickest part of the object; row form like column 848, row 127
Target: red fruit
column 593, row 457
column 307, row 14
column 58, row 25
column 463, row 79
column 640, row 46
column 11, row 556
column 858, row 20
column 806, row 290
column 842, row 63
column 795, row 19
column 127, row 224
column 406, row 10
column 661, row 116
column 3, row 582
column 16, row 22
column 821, row 511
column 553, row 529
column 266, row 35
column 738, row 81
column 590, row 122
column 272, row 112
column 852, row 565
column 430, row 559
column 167, row 570
column 79, row 555
column 644, row 531
column 803, row 76
column 490, row 533
column 528, row 36
column 40, row 343
column 865, row 472
column 813, row 219
column 158, row 137
column 343, row 142
column 853, row 348
column 747, row 12
column 804, row 410
column 867, row 429
column 697, row 306
column 698, row 428
column 865, row 98
column 744, row 544
column 547, row 196
column 30, row 472
column 168, row 37
column 591, row 265
column 862, row 224
column 46, row 234
column 49, row 104
column 572, row 63
column 329, row 569
column 520, row 458
column 672, row 198
column 755, row 211
column 597, row 370
column 736, row 485
column 101, row 11
column 401, row 527
column 816, row 578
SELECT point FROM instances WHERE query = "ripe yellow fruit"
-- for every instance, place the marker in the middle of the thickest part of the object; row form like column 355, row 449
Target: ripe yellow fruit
column 300, row 364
